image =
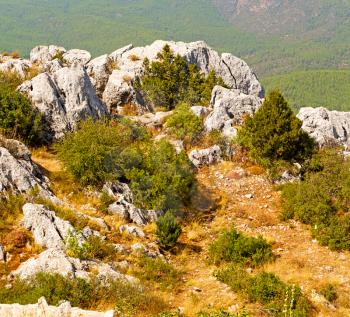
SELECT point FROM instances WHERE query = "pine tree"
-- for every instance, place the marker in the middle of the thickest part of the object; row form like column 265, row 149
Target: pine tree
column 274, row 133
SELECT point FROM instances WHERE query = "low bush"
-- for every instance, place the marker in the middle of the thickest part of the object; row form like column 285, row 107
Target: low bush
column 18, row 119
column 170, row 80
column 159, row 178
column 127, row 299
column 329, row 292
column 223, row 313
column 157, row 270
column 92, row 248
column 278, row 298
column 235, row 247
column 184, row 124
column 274, row 135
column 322, row 199
column 168, row 230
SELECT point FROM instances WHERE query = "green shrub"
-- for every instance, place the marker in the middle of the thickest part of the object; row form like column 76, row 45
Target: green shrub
column 232, row 246
column 86, row 294
column 277, row 297
column 92, row 153
column 18, row 119
column 222, row 313
column 329, row 292
column 170, row 80
column 121, row 150
column 158, row 271
column 160, row 178
column 274, row 134
column 92, row 248
column 184, row 124
column 322, row 199
column 168, row 230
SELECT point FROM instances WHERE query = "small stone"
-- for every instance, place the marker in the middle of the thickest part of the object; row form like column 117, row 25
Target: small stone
column 196, row 289
column 249, row 196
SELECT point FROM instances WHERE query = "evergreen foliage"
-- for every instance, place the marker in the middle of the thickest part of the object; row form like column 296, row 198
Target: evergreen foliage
column 232, row 246
column 274, row 133
column 168, row 230
column 170, row 80
column 184, row 124
column 322, row 199
column 122, row 150
column 18, row 119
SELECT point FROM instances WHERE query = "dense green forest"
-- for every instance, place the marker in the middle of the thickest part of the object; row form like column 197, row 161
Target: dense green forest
column 282, row 38
column 316, row 88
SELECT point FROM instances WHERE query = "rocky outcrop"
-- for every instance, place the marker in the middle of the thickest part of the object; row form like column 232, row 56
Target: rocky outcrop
column 204, row 157
column 124, row 207
column 128, row 61
column 17, row 171
column 229, row 108
column 42, row 309
column 99, row 70
column 64, row 98
column 153, row 120
column 325, row 126
column 76, row 56
column 15, row 65
column 48, row 230
column 56, row 261
column 42, row 54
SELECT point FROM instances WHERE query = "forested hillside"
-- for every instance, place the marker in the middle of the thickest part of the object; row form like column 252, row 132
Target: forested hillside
column 274, row 37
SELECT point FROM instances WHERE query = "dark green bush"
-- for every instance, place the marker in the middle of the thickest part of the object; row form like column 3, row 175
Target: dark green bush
column 235, row 247
column 110, row 150
column 322, row 199
column 86, row 294
column 18, row 119
column 161, row 179
column 91, row 153
column 170, row 80
column 274, row 135
column 168, row 230
column 184, row 124
column 266, row 288
column 329, row 292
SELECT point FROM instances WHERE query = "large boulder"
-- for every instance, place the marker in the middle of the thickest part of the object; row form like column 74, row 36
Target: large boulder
column 124, row 207
column 48, row 230
column 76, row 56
column 325, row 126
column 64, row 98
column 18, row 173
column 229, row 108
column 56, row 261
column 205, row 157
column 42, row 309
column 42, row 54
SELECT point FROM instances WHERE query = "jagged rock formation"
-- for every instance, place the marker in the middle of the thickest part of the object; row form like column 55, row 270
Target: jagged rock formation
column 42, row 309
column 42, row 54
column 17, row 171
column 325, row 126
column 124, row 207
column 120, row 89
column 16, row 65
column 48, row 230
column 64, row 98
column 229, row 107
column 76, row 56
column 205, row 156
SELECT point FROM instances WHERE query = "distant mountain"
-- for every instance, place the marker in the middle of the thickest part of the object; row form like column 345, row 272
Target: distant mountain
column 273, row 36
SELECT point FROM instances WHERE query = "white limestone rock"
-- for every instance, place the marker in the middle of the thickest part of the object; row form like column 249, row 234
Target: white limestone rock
column 64, row 98
column 77, row 56
column 229, row 108
column 48, row 230
column 42, row 54
column 16, row 65
column 205, row 157
column 325, row 126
